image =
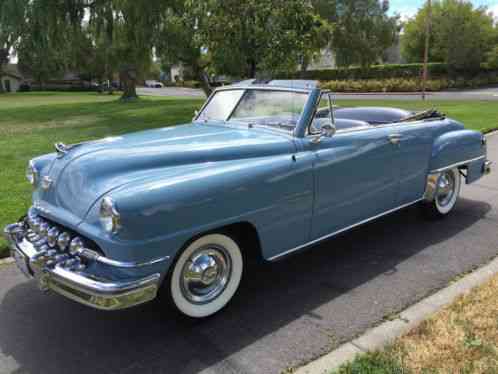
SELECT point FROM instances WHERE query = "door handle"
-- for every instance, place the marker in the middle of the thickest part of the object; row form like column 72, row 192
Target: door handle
column 394, row 138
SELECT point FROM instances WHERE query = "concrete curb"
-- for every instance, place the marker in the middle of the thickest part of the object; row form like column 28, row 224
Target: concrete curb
column 380, row 336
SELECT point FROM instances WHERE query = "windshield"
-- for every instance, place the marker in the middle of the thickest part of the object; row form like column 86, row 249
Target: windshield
column 258, row 107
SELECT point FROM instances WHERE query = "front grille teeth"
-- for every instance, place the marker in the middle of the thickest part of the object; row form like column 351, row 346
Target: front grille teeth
column 52, row 244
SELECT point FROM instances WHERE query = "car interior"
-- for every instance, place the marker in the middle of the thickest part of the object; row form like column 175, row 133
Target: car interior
column 361, row 117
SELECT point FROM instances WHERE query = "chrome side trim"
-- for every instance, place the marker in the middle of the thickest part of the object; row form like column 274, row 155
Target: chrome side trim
column 123, row 264
column 456, row 164
column 342, row 230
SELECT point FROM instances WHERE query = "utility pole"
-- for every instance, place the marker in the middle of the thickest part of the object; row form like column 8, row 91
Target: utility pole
column 426, row 51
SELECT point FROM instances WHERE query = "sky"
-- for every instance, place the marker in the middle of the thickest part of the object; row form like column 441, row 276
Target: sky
column 408, row 8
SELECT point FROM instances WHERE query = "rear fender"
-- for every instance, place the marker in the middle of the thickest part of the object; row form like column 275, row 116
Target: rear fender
column 462, row 148
column 465, row 149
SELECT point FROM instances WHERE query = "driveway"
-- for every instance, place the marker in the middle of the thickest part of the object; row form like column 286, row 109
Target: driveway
column 285, row 314
column 171, row 91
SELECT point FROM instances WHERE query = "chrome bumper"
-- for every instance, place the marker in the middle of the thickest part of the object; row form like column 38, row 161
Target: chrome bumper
column 64, row 275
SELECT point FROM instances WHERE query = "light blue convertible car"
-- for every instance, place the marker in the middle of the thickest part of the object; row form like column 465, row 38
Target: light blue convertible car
column 265, row 169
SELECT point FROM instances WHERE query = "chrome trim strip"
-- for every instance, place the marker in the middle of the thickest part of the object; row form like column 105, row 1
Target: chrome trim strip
column 342, row 230
column 265, row 88
column 456, row 164
column 123, row 264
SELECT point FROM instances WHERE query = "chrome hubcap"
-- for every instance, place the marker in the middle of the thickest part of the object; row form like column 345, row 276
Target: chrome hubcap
column 206, row 274
column 445, row 188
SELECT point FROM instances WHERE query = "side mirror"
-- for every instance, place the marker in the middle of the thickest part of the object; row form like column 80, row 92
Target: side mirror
column 326, row 131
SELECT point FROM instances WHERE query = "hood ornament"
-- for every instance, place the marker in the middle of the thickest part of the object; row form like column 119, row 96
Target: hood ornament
column 62, row 148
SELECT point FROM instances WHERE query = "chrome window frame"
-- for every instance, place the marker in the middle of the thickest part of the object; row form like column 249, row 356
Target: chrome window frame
column 245, row 89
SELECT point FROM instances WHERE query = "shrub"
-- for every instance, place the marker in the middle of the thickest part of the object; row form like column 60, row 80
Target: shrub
column 384, row 85
column 391, row 71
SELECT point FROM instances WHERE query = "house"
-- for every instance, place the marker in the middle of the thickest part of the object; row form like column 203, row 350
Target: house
column 326, row 60
column 10, row 78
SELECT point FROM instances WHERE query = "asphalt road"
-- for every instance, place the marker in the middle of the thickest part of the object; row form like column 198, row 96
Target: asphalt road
column 285, row 314
column 486, row 94
column 171, row 91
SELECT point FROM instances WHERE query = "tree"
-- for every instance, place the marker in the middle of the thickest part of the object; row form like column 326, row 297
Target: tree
column 178, row 38
column 12, row 16
column 492, row 58
column 246, row 38
column 362, row 29
column 126, row 28
column 461, row 35
column 40, row 47
column 54, row 35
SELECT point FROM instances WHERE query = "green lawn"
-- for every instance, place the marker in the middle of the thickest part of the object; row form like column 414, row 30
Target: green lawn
column 460, row 338
column 31, row 122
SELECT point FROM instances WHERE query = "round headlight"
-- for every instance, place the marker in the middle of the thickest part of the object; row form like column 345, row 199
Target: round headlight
column 63, row 241
column 32, row 173
column 75, row 246
column 52, row 235
column 109, row 216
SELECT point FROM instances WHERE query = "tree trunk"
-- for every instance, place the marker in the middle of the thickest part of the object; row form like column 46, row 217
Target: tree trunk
column 204, row 79
column 128, row 78
column 4, row 60
column 252, row 69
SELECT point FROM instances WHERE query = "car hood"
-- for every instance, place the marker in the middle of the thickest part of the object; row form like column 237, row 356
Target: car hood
column 90, row 170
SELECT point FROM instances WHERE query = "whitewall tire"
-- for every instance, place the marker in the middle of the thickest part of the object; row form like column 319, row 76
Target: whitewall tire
column 446, row 195
column 206, row 275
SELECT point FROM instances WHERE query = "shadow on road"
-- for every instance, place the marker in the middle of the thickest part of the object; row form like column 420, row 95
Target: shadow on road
column 48, row 334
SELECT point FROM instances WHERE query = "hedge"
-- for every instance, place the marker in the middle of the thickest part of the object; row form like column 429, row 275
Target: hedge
column 406, row 84
column 435, row 70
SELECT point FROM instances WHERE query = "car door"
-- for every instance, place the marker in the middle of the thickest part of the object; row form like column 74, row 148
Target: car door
column 356, row 177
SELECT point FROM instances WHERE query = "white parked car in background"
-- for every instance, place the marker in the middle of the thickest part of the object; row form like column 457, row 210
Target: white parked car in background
column 154, row 84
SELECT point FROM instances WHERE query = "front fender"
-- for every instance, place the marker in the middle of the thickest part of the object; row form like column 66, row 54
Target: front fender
column 161, row 213
column 456, row 148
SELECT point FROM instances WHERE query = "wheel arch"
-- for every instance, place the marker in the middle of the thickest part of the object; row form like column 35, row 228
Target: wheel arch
column 244, row 233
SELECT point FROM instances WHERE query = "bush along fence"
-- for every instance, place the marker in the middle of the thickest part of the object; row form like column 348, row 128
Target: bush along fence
column 398, row 78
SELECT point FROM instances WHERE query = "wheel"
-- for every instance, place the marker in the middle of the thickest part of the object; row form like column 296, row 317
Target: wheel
column 448, row 189
column 206, row 275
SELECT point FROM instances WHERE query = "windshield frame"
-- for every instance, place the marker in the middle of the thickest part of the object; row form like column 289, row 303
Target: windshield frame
column 245, row 89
